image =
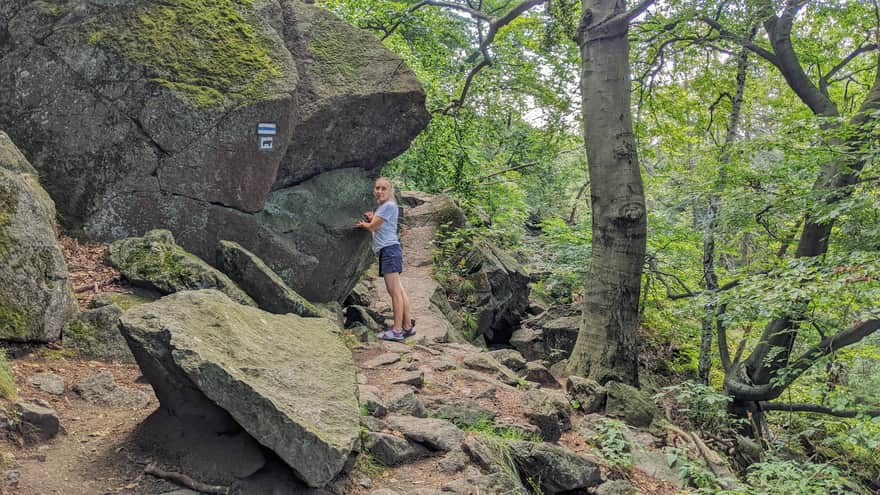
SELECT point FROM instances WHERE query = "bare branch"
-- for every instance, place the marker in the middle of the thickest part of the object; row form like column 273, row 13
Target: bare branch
column 855, row 53
column 494, row 25
column 476, row 14
column 729, row 35
column 813, row 408
column 637, row 10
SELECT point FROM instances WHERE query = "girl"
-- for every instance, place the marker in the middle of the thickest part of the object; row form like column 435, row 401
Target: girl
column 383, row 224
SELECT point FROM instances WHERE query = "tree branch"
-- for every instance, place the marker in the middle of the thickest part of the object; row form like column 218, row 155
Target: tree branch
column 855, row 53
column 729, row 35
column 494, row 25
column 813, row 408
column 749, row 392
column 637, row 10
column 476, row 14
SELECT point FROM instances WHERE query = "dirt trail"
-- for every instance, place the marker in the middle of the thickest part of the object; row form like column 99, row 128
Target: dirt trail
column 418, row 230
column 95, row 454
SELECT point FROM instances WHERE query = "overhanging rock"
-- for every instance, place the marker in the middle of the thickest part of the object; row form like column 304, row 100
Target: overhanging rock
column 287, row 380
column 146, row 114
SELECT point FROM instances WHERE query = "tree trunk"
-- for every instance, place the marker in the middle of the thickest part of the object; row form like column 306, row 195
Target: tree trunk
column 834, row 179
column 709, row 323
column 606, row 348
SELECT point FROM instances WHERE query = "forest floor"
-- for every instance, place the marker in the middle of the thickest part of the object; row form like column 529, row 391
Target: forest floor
column 97, row 453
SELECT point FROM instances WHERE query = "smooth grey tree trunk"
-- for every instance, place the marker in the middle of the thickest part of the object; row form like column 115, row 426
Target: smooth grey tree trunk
column 607, row 347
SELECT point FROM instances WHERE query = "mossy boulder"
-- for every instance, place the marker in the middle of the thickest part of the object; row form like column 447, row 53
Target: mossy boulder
column 94, row 334
column 36, row 298
column 156, row 262
column 287, row 380
column 153, row 110
column 260, row 282
column 629, row 404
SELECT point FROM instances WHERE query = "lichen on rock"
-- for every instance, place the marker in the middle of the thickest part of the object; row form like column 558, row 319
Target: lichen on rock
column 211, row 51
column 156, row 262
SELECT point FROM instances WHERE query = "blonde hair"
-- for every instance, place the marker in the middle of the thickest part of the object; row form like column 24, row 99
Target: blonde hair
column 390, row 184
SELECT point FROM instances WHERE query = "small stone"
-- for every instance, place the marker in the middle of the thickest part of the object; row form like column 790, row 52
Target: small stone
column 510, row 358
column 372, row 424
column 392, row 450
column 550, row 411
column 617, row 487
column 436, row 434
column 590, row 396
column 38, row 423
column 403, row 400
column 365, row 482
column 414, row 378
column 382, row 360
column 489, row 393
column 371, row 399
column 103, row 390
column 536, row 372
column 48, row 382
column 629, row 404
column 453, row 462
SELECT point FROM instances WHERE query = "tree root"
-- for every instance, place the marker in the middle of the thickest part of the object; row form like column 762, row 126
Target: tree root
column 713, row 461
column 186, row 481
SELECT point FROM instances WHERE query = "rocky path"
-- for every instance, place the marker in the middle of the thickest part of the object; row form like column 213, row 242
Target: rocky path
column 450, row 418
column 418, row 230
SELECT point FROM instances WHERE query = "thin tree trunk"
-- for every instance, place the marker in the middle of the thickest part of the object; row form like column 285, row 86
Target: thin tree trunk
column 606, row 348
column 834, row 180
column 710, row 312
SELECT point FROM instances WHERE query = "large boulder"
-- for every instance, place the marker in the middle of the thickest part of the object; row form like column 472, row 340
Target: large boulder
column 260, row 282
column 145, row 114
column 549, row 336
column 94, row 334
column 287, row 380
column 36, row 298
column 156, row 262
column 501, row 291
column 555, row 468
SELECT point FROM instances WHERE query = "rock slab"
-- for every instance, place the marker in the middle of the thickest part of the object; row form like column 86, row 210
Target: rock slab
column 36, row 298
column 287, row 380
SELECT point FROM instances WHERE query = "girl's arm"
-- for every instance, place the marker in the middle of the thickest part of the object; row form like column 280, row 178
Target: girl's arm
column 373, row 224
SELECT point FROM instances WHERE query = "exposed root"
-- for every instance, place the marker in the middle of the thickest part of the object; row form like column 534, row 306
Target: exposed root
column 186, row 481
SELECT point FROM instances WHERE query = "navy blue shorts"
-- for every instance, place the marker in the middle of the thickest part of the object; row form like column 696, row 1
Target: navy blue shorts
column 390, row 259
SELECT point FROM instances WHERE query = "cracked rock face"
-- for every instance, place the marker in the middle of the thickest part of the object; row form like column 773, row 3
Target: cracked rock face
column 126, row 143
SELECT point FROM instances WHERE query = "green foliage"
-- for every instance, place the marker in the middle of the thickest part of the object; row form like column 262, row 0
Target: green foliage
column 213, row 52
column 787, row 477
column 695, row 473
column 521, row 110
column 368, row 466
column 704, row 409
column 7, row 381
column 613, row 446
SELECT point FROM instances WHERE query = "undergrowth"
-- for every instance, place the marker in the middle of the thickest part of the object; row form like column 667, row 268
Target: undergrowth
column 7, row 382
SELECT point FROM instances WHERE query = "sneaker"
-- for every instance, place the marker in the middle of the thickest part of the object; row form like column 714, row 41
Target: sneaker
column 392, row 335
column 412, row 328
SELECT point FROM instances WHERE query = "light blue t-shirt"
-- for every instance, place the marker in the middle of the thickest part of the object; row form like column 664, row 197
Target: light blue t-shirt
column 387, row 233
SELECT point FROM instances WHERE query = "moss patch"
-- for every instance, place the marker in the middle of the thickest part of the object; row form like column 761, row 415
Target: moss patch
column 78, row 330
column 209, row 50
column 14, row 322
column 339, row 56
column 8, row 205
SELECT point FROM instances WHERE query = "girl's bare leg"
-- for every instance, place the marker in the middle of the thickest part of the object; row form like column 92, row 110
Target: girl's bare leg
column 407, row 310
column 395, row 290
